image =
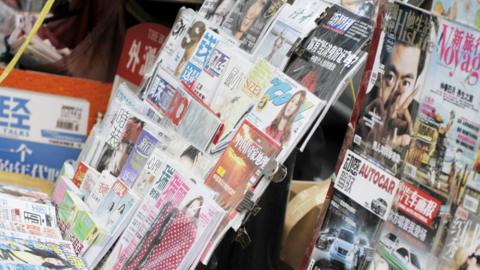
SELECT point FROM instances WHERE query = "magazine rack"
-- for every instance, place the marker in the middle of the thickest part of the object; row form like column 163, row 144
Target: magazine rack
column 256, row 245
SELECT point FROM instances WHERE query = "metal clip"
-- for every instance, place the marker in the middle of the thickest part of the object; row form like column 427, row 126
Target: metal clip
column 243, row 237
column 275, row 171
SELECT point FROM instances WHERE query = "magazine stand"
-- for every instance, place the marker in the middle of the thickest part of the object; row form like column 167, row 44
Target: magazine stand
column 256, row 245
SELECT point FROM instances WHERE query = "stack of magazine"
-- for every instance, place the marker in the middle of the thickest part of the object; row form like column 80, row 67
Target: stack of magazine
column 236, row 87
column 29, row 235
column 407, row 193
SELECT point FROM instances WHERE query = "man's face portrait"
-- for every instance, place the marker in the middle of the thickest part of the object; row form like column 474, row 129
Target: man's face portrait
column 401, row 73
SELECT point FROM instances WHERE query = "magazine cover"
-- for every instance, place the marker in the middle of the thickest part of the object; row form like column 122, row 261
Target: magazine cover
column 193, row 68
column 83, row 230
column 113, row 216
column 184, row 113
column 230, row 87
column 330, row 51
column 357, row 175
column 213, row 70
column 404, row 244
column 216, row 10
column 248, row 19
column 63, row 185
column 237, row 106
column 18, row 253
column 445, row 142
column 31, row 229
column 241, row 165
column 288, row 29
column 347, row 236
column 119, row 142
column 385, row 124
column 146, row 143
column 25, row 193
column 150, row 172
column 285, row 112
column 462, row 246
column 68, row 209
column 87, row 176
column 184, row 35
column 100, row 190
column 464, row 11
column 176, row 237
column 116, row 204
column 16, row 210
column 364, row 8
column 35, row 141
column 171, row 182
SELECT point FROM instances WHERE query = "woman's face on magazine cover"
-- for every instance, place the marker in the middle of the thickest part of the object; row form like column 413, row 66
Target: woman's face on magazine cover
column 252, row 14
column 292, row 105
column 193, row 209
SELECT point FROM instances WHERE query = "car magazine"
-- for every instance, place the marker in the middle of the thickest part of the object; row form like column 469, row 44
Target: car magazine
column 357, row 175
column 347, row 237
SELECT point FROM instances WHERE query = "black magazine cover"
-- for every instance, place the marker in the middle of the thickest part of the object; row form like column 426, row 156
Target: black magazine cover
column 323, row 59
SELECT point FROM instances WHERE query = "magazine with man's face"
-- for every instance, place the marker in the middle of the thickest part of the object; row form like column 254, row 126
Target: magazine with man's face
column 384, row 129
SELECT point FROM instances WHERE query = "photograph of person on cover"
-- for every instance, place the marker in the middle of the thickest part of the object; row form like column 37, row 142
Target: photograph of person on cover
column 33, row 256
column 252, row 10
column 281, row 127
column 170, row 238
column 386, row 118
column 113, row 159
column 219, row 11
column 189, row 44
column 277, row 43
column 189, row 157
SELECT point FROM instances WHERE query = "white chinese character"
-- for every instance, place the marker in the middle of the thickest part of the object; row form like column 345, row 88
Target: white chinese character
column 133, row 55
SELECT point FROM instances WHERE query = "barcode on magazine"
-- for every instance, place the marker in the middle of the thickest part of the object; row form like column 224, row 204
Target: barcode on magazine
column 67, row 125
column 410, row 170
column 69, row 118
column 470, row 203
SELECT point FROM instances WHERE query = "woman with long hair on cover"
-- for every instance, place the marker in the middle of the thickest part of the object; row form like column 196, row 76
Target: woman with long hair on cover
column 281, row 127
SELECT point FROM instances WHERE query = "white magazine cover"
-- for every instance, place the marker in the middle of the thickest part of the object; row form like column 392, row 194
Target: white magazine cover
column 195, row 64
column 172, row 50
column 171, row 181
column 31, row 229
column 16, row 210
column 357, row 175
column 149, row 174
column 113, row 214
column 100, row 190
column 285, row 112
